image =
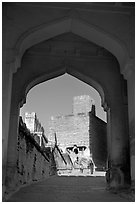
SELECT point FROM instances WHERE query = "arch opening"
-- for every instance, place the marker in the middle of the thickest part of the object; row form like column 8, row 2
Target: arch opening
column 72, row 72
column 51, row 73
column 84, row 148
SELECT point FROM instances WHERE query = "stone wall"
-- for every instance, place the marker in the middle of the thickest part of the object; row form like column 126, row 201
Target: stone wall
column 98, row 140
column 70, row 130
column 33, row 162
column 83, row 129
column 73, row 128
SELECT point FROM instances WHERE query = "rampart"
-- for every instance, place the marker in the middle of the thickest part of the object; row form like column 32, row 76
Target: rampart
column 34, row 163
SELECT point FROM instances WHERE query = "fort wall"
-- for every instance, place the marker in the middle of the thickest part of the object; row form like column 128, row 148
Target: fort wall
column 70, row 130
column 33, row 124
column 33, row 162
column 82, row 128
column 98, row 140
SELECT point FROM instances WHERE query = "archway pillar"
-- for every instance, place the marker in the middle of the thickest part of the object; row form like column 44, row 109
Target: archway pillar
column 108, row 137
column 119, row 169
column 129, row 75
column 11, row 168
column 7, row 75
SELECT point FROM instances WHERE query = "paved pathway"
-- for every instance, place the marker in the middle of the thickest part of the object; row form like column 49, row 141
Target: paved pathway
column 67, row 189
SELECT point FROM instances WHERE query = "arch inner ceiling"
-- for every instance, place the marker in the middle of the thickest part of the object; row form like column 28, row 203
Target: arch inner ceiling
column 76, row 26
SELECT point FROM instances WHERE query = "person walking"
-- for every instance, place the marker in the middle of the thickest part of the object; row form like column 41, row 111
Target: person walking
column 91, row 167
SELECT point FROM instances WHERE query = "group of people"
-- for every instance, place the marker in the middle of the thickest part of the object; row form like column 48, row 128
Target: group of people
column 82, row 162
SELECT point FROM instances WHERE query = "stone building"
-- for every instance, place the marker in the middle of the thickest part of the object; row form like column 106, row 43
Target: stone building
column 82, row 128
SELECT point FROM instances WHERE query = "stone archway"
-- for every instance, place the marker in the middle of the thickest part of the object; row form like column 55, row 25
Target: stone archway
column 78, row 27
column 118, row 134
column 16, row 104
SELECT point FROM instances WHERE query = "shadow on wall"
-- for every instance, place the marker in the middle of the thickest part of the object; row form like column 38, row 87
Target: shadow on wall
column 98, row 141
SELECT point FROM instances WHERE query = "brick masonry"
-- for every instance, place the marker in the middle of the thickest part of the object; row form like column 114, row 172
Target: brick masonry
column 82, row 104
column 71, row 130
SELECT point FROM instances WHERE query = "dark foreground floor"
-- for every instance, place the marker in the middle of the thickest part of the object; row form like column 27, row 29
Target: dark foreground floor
column 67, row 189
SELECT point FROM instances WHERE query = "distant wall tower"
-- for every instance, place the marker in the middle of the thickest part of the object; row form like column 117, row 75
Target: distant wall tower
column 30, row 119
column 82, row 104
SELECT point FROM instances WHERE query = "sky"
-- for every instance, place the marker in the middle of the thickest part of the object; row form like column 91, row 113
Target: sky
column 54, row 97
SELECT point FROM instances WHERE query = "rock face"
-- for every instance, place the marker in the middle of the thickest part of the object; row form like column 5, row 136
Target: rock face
column 82, row 128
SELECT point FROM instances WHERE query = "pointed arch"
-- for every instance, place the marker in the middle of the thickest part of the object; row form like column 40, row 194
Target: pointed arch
column 60, row 70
